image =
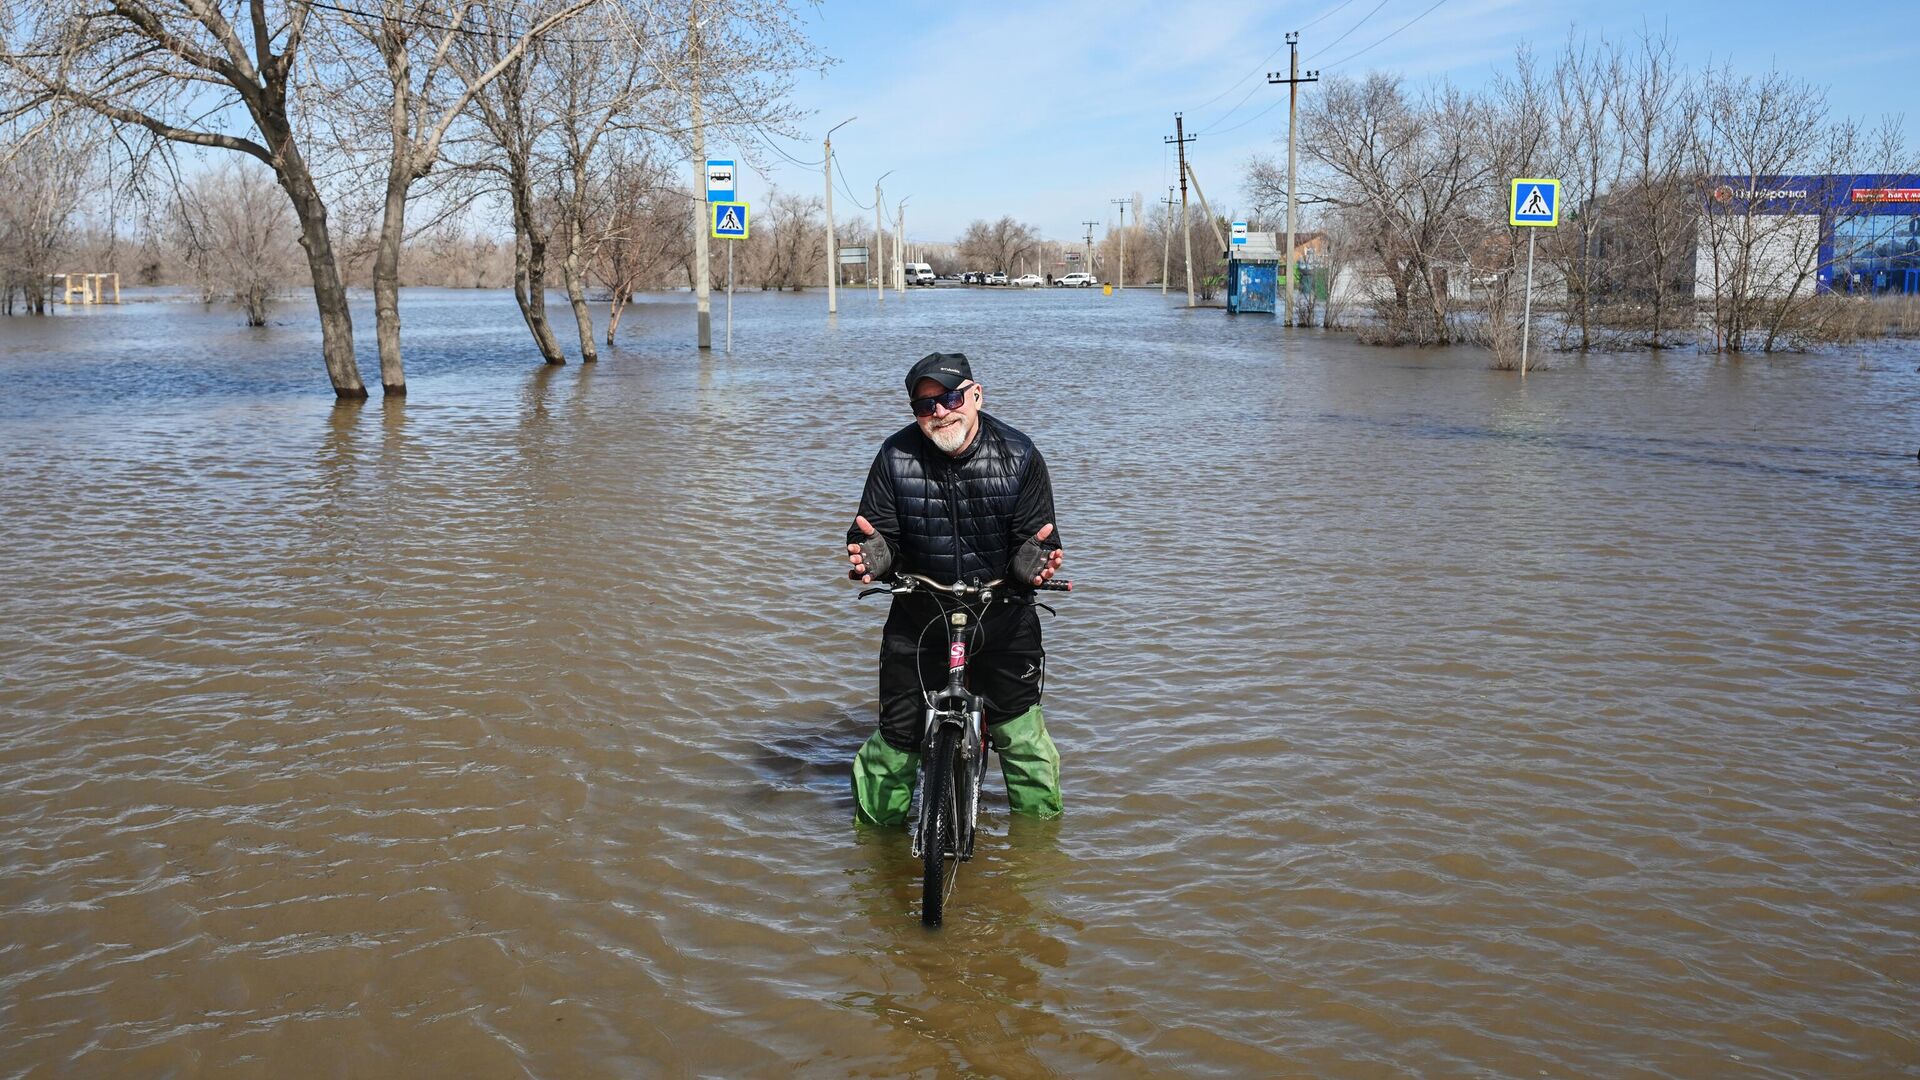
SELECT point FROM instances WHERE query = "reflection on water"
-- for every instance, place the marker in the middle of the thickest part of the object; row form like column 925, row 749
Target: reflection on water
column 1415, row 722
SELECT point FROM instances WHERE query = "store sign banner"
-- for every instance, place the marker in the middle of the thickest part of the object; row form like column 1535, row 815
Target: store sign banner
column 1879, row 195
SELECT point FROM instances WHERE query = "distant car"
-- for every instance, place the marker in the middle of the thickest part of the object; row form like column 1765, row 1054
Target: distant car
column 972, row 277
column 1077, row 281
column 1027, row 281
column 997, row 278
column 917, row 273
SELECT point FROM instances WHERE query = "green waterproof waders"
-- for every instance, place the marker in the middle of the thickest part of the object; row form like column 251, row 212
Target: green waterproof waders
column 1029, row 764
column 884, row 778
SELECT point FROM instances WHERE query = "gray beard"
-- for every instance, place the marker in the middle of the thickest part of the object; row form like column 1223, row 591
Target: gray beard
column 951, row 437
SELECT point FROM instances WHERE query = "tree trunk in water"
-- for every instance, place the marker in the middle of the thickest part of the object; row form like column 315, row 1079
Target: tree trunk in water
column 575, row 275
column 615, row 310
column 329, row 292
column 530, row 292
column 386, row 282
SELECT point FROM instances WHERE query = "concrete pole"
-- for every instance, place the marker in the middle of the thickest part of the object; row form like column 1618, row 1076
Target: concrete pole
column 702, row 289
column 1186, row 237
column 1166, row 244
column 1293, row 121
column 879, row 254
column 833, row 249
column 1293, row 81
column 900, row 246
column 1218, row 236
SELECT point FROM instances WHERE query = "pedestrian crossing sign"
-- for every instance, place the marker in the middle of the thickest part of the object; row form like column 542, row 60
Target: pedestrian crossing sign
column 729, row 221
column 1534, row 202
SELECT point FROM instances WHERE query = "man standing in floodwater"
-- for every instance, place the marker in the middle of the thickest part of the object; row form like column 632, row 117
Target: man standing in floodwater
column 957, row 495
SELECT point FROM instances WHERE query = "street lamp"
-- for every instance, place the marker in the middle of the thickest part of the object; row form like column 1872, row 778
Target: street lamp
column 833, row 252
column 878, row 272
column 900, row 245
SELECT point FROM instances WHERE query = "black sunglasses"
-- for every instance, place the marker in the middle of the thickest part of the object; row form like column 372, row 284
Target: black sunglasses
column 951, row 400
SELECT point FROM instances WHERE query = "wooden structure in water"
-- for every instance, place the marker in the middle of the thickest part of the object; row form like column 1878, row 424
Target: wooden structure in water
column 86, row 288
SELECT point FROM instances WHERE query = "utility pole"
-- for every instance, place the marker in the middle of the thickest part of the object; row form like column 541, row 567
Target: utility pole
column 1166, row 241
column 833, row 251
column 1090, row 225
column 900, row 245
column 1293, row 81
column 878, row 268
column 1180, row 139
column 1122, row 204
column 702, row 211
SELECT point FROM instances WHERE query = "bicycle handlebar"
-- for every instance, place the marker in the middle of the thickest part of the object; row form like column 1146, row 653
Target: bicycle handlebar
column 905, row 583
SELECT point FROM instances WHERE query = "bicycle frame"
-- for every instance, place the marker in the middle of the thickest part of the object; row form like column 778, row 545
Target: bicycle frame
column 955, row 706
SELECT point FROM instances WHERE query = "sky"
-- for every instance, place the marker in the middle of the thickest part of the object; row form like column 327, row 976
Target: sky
column 1049, row 111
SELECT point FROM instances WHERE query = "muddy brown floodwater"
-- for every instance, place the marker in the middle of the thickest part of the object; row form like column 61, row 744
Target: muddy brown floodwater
column 1416, row 722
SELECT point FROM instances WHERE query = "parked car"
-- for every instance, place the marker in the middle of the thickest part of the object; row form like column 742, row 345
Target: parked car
column 972, row 277
column 1027, row 281
column 1078, row 281
column 997, row 278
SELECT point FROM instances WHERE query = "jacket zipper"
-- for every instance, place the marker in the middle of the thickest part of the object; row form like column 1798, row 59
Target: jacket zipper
column 953, row 515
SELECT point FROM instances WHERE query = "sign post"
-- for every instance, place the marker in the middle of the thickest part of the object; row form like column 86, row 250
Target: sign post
column 729, row 224
column 1533, row 203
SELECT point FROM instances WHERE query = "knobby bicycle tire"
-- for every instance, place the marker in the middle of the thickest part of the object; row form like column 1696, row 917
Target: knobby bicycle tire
column 940, row 834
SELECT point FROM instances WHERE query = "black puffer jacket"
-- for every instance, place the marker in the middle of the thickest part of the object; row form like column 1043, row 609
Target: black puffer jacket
column 954, row 518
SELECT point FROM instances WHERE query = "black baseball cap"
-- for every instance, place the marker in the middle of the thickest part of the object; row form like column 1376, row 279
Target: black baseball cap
column 949, row 369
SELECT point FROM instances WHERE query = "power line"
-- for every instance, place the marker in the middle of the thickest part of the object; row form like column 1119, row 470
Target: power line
column 846, row 187
column 1249, row 119
column 1262, row 66
column 1324, row 14
column 1382, row 41
column 1236, row 108
column 767, row 140
column 1350, row 30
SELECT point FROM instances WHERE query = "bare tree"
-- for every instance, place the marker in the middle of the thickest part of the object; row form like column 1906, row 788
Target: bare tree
column 220, row 74
column 238, row 233
column 791, row 240
column 1588, row 155
column 1650, row 228
column 514, row 124
column 997, row 245
column 599, row 85
column 44, row 174
column 419, row 92
column 646, row 226
column 1759, row 237
column 1403, row 173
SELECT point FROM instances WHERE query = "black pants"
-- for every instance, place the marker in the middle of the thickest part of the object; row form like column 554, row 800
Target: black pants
column 1005, row 664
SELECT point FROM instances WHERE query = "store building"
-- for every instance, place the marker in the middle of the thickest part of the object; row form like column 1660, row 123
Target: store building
column 1843, row 233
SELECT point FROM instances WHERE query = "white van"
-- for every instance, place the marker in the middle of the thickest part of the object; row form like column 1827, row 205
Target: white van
column 918, row 273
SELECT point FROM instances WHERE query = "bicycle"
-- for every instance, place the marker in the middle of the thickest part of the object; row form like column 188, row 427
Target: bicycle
column 954, row 747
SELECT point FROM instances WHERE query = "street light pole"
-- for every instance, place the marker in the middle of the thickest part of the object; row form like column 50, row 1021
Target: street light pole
column 879, row 269
column 833, row 252
column 900, row 245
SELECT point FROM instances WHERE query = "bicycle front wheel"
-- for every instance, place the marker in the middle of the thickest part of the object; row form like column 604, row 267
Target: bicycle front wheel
column 940, row 839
